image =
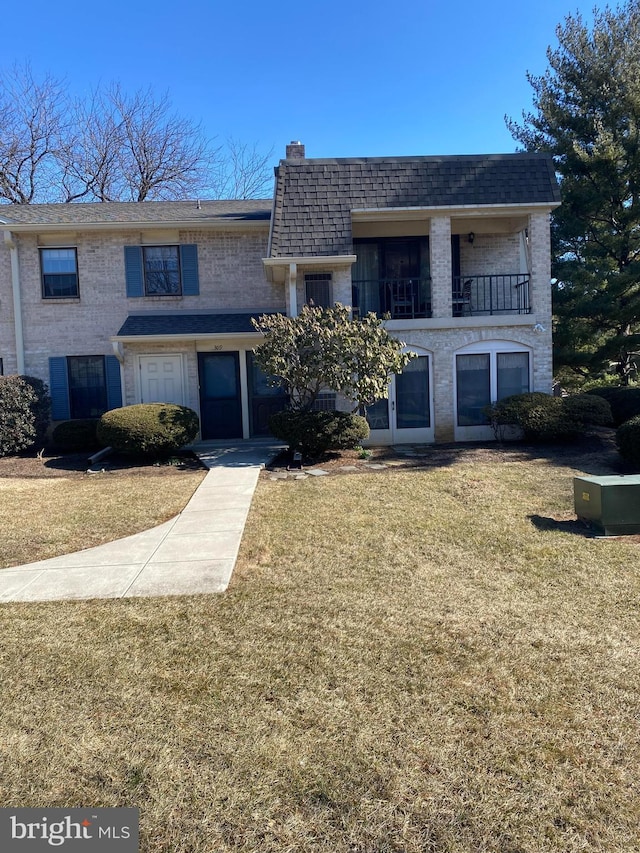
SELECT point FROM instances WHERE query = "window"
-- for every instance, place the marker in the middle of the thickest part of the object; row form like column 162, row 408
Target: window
column 474, row 388
column 377, row 414
column 482, row 377
column 157, row 271
column 87, row 386
column 84, row 386
column 513, row 373
column 318, row 289
column 325, row 402
column 161, row 266
column 59, row 269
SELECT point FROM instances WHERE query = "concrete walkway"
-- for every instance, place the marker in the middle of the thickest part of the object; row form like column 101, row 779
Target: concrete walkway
column 192, row 553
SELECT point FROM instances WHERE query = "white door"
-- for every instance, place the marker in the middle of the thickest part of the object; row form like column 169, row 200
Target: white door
column 161, row 379
column 406, row 417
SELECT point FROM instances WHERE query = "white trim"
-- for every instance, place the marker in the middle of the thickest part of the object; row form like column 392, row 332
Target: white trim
column 244, row 393
column 311, row 260
column 479, row 321
column 362, row 214
column 293, row 290
column 11, row 244
column 163, row 224
column 178, row 338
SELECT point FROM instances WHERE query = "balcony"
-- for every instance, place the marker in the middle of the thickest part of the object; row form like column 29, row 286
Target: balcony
column 400, row 298
column 484, row 295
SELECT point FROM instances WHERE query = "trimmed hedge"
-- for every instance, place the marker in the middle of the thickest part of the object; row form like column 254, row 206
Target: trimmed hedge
column 588, row 409
column 314, row 433
column 624, row 401
column 628, row 441
column 148, row 429
column 25, row 406
column 544, row 418
column 77, row 435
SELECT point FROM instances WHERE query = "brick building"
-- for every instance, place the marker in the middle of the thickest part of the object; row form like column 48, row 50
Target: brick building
column 118, row 303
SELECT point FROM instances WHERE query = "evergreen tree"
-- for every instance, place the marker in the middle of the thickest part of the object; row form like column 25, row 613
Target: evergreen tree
column 587, row 114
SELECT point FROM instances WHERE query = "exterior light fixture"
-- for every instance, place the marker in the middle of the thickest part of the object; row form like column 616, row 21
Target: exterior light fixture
column 471, row 237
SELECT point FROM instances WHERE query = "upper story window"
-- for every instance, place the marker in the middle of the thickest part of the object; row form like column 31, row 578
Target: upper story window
column 162, row 270
column 161, row 266
column 59, row 268
column 317, row 287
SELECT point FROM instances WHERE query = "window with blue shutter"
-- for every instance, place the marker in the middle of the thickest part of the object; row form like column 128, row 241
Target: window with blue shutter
column 162, row 270
column 133, row 270
column 59, row 388
column 84, row 386
column 189, row 266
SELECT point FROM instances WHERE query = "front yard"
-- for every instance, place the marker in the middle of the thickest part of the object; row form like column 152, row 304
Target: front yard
column 54, row 505
column 436, row 658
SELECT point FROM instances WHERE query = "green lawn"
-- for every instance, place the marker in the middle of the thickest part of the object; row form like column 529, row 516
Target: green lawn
column 421, row 660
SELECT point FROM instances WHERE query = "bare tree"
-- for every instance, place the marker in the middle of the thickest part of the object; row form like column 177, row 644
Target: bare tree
column 244, row 172
column 161, row 154
column 89, row 155
column 31, row 128
column 113, row 146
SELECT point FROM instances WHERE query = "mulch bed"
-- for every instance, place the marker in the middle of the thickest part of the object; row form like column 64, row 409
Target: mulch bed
column 596, row 455
column 70, row 465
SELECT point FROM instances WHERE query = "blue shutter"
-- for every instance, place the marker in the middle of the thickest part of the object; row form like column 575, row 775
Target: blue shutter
column 133, row 270
column 114, row 386
column 189, row 267
column 59, row 388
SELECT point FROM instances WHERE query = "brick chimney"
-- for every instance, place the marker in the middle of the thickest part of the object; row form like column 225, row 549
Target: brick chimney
column 295, row 150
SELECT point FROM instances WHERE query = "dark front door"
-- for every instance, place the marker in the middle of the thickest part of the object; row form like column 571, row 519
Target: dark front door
column 220, row 401
column 264, row 399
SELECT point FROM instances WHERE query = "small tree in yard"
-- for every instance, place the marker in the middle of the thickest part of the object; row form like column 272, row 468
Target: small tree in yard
column 324, row 349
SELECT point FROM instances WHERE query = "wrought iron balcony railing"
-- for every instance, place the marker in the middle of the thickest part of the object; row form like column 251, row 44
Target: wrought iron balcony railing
column 401, row 298
column 475, row 295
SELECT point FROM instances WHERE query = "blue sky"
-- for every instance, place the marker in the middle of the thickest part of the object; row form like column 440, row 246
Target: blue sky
column 347, row 78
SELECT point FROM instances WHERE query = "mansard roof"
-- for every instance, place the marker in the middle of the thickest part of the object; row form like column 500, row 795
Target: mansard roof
column 314, row 199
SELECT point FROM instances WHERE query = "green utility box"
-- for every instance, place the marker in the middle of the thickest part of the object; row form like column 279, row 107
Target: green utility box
column 611, row 504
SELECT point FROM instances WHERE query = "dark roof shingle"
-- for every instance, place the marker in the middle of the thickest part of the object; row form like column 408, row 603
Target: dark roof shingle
column 144, row 212
column 314, row 198
column 181, row 323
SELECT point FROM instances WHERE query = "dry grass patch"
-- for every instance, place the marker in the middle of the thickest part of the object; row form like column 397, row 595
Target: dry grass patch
column 49, row 512
column 404, row 662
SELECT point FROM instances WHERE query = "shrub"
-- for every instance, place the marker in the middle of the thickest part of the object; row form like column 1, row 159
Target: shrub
column 24, row 413
column 588, row 409
column 628, row 441
column 148, row 429
column 545, row 418
column 316, row 432
column 624, row 401
column 77, row 435
column 40, row 408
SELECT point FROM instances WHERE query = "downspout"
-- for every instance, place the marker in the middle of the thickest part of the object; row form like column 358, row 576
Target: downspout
column 11, row 244
column 119, row 354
